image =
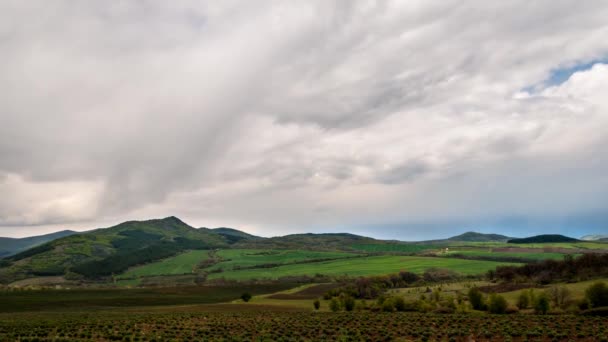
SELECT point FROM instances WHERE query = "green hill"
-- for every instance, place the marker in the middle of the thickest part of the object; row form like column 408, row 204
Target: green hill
column 234, row 235
column 479, row 237
column 103, row 252
column 10, row 246
column 546, row 238
column 308, row 241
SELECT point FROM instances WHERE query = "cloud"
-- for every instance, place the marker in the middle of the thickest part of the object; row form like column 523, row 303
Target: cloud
column 287, row 117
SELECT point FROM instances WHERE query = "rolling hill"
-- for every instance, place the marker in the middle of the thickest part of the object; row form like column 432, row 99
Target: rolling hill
column 234, row 235
column 479, row 237
column 10, row 246
column 545, row 238
column 107, row 251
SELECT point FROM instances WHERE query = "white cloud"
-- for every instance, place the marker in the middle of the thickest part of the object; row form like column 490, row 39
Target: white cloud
column 286, row 117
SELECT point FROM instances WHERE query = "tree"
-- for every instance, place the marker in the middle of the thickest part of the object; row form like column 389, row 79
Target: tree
column 334, row 305
column 317, row 304
column 476, row 299
column 497, row 304
column 597, row 295
column 523, row 301
column 246, row 297
column 542, row 304
column 399, row 303
column 348, row 303
column 559, row 295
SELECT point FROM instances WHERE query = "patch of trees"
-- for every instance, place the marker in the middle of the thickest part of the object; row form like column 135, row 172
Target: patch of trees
column 546, row 238
column 134, row 239
column 122, row 260
column 31, row 252
column 373, row 287
column 569, row 269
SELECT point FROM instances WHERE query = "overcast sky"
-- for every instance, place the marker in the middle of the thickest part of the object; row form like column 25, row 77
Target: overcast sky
column 394, row 119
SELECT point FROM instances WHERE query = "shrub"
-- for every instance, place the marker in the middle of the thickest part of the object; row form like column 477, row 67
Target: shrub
column 348, row 303
column 246, row 297
column 399, row 303
column 523, row 301
column 559, row 295
column 597, row 295
column 317, row 304
column 388, row 306
column 476, row 299
column 542, row 304
column 334, row 305
column 497, row 304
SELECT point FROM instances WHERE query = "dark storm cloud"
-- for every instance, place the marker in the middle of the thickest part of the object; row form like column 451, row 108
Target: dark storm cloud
column 275, row 116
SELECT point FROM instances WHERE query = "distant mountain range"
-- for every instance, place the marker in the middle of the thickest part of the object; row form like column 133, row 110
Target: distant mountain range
column 595, row 237
column 479, row 237
column 545, row 238
column 104, row 252
column 10, row 246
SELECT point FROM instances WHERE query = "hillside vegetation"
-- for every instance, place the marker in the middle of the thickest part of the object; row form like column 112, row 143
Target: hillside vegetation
column 546, row 238
column 10, row 246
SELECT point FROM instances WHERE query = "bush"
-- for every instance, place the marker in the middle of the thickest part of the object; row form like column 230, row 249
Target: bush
column 476, row 299
column 523, row 301
column 559, row 295
column 334, row 305
column 399, row 303
column 388, row 306
column 348, row 303
column 542, row 305
column 597, row 295
column 317, row 304
column 497, row 304
column 246, row 297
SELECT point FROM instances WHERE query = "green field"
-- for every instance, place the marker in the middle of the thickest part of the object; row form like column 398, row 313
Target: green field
column 111, row 298
column 180, row 264
column 523, row 255
column 570, row 245
column 374, row 265
column 391, row 248
column 242, row 258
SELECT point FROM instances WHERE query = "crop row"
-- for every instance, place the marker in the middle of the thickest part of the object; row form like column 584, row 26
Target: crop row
column 300, row 326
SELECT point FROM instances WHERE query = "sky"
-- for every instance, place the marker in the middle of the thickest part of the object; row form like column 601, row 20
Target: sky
column 394, row 119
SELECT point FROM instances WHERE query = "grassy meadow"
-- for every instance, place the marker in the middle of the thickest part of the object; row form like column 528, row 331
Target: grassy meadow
column 364, row 266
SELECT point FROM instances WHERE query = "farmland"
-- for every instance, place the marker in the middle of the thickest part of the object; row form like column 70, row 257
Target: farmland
column 373, row 265
column 307, row 326
column 180, row 264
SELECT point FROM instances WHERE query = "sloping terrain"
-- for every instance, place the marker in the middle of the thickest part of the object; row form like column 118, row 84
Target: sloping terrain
column 10, row 246
column 545, row 238
column 108, row 251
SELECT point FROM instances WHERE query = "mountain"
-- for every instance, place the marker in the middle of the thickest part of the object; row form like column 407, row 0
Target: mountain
column 309, row 241
column 10, row 246
column 102, row 252
column 546, row 238
column 600, row 237
column 479, row 237
column 234, row 235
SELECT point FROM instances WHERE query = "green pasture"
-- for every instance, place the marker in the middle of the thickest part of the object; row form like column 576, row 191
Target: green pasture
column 489, row 253
column 392, row 248
column 364, row 266
column 256, row 257
column 180, row 264
column 571, row 245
